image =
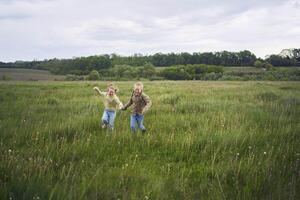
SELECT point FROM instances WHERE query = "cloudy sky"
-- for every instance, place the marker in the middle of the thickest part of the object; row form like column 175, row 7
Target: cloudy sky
column 43, row 29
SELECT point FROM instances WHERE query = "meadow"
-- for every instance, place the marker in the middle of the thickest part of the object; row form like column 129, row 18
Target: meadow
column 205, row 140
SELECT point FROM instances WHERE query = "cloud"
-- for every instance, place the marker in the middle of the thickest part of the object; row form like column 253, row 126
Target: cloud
column 39, row 29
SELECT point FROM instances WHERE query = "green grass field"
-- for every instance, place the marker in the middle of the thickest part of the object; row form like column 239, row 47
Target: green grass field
column 205, row 140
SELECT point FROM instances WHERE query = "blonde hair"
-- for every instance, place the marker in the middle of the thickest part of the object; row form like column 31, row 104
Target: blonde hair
column 139, row 84
column 112, row 86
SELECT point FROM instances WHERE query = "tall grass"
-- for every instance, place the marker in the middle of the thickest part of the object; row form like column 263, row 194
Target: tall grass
column 205, row 140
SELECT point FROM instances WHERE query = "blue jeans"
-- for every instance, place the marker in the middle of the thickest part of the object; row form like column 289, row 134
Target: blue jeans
column 108, row 118
column 137, row 119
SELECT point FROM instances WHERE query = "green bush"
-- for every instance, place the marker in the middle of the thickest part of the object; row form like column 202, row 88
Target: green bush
column 94, row 75
column 189, row 72
column 258, row 64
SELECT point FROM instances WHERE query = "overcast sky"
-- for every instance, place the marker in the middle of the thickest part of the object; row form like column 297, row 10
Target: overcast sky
column 44, row 29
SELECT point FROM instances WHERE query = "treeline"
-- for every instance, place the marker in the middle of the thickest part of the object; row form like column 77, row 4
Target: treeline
column 84, row 65
column 76, row 66
column 148, row 71
column 189, row 72
column 108, row 64
column 224, row 58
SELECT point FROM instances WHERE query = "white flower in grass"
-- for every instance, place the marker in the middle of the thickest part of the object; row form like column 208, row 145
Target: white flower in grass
column 250, row 147
column 237, row 154
column 146, row 197
column 9, row 150
column 265, row 153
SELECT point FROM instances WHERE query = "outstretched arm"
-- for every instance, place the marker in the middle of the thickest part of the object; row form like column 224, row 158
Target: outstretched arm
column 120, row 105
column 128, row 104
column 99, row 91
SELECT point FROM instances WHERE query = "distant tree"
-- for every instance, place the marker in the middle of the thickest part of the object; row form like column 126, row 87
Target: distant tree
column 148, row 70
column 246, row 58
column 277, row 60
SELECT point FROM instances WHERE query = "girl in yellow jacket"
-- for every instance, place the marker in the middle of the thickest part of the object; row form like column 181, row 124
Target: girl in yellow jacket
column 111, row 105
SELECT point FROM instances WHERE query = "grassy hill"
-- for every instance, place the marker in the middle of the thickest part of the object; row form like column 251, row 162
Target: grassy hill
column 205, row 140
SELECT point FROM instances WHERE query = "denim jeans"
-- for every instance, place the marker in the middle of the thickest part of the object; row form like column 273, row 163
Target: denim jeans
column 108, row 118
column 137, row 119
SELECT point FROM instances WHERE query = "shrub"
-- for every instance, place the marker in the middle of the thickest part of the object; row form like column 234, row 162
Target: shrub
column 258, row 64
column 94, row 75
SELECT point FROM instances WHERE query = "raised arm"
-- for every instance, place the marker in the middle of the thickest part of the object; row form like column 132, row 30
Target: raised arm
column 98, row 90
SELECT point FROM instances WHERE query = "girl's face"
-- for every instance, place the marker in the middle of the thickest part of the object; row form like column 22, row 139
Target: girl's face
column 111, row 91
column 138, row 91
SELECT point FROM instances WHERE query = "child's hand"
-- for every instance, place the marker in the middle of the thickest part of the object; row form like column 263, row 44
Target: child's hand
column 123, row 108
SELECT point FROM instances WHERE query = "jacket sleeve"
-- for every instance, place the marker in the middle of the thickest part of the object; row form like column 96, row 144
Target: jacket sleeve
column 99, row 91
column 148, row 102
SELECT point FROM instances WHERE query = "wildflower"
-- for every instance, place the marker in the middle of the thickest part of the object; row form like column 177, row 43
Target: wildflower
column 265, row 153
column 238, row 154
column 9, row 150
column 250, row 147
column 146, row 197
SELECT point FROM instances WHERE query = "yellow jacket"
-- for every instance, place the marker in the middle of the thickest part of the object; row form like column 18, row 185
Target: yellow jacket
column 111, row 103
